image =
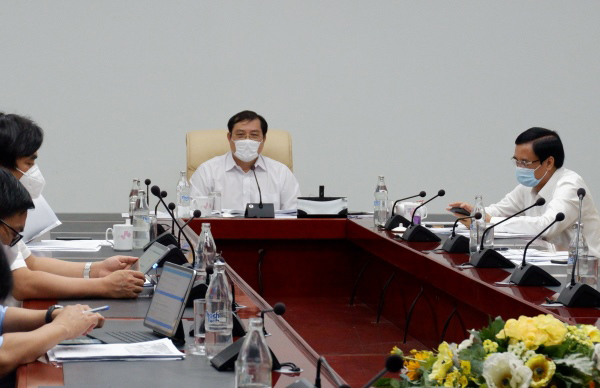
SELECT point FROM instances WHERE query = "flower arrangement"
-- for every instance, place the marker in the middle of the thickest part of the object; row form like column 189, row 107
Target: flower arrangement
column 526, row 352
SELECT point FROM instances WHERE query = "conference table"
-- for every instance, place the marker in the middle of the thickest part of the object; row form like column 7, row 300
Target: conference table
column 320, row 266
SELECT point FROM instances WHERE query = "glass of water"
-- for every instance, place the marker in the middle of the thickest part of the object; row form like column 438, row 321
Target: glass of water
column 198, row 347
column 216, row 196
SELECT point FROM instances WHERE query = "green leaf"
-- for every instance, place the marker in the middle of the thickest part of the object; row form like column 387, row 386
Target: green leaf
column 578, row 362
column 385, row 382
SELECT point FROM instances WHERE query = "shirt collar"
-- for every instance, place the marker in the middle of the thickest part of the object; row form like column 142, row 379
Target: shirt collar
column 548, row 189
column 230, row 163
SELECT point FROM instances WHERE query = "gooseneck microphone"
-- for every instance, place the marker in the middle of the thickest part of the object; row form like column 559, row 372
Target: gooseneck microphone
column 259, row 210
column 323, row 362
column 489, row 258
column 540, row 202
column 395, row 220
column 171, row 212
column 163, row 194
column 147, row 182
column 457, row 243
column 278, row 309
column 392, row 364
column 531, row 275
column 196, row 214
column 579, row 294
column 419, row 233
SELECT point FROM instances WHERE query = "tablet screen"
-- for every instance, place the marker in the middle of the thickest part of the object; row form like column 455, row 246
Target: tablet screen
column 152, row 255
column 168, row 302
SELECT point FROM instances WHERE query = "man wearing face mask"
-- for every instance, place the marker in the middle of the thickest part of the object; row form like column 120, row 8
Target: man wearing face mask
column 233, row 173
column 539, row 157
column 42, row 277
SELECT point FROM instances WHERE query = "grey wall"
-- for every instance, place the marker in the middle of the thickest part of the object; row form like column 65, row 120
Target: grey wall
column 430, row 94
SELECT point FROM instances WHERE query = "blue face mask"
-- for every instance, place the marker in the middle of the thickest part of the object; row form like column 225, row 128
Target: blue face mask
column 526, row 176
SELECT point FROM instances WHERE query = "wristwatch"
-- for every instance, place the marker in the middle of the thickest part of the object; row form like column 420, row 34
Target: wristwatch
column 51, row 309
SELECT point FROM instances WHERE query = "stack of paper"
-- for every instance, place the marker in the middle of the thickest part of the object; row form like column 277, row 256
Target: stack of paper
column 67, row 245
column 162, row 349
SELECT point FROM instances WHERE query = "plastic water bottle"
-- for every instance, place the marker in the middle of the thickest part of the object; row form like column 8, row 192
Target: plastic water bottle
column 133, row 194
column 183, row 197
column 141, row 221
column 380, row 206
column 587, row 266
column 206, row 251
column 478, row 227
column 254, row 362
column 218, row 321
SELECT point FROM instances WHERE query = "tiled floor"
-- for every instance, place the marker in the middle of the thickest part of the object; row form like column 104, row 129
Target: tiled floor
column 348, row 336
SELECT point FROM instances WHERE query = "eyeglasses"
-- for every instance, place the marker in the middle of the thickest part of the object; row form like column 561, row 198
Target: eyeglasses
column 243, row 136
column 17, row 238
column 522, row 163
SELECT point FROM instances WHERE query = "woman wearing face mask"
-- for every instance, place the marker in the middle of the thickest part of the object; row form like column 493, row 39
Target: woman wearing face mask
column 42, row 277
column 233, row 174
column 538, row 161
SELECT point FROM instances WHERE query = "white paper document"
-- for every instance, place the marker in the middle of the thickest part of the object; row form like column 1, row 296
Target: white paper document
column 67, row 245
column 39, row 220
column 162, row 349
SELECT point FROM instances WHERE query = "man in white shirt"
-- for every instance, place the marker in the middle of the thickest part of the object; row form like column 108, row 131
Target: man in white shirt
column 539, row 157
column 236, row 173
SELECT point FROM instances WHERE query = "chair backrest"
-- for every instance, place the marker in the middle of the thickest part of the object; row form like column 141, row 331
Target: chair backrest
column 203, row 145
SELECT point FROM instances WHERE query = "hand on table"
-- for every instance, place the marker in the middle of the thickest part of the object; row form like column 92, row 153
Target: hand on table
column 124, row 284
column 76, row 322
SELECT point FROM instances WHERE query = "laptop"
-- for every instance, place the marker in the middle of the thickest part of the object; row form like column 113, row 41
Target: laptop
column 164, row 314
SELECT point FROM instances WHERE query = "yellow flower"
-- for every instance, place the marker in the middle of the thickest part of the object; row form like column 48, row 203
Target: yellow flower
column 442, row 364
column 490, row 346
column 543, row 370
column 413, row 364
column 465, row 366
column 452, row 378
column 592, row 332
column 541, row 330
column 396, row 350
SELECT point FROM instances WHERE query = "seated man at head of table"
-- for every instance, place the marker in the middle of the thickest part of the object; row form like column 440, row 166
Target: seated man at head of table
column 232, row 174
column 539, row 157
column 26, row 334
column 41, row 277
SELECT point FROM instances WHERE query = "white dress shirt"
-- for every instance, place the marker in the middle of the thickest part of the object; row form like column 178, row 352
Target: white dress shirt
column 560, row 193
column 16, row 259
column 277, row 183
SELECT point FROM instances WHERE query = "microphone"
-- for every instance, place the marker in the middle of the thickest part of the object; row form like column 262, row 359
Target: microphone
column 259, row 210
column 489, row 258
column 171, row 210
column 395, row 220
column 278, row 309
column 147, row 182
column 419, row 233
column 530, row 275
column 197, row 214
column 457, row 243
column 163, row 194
column 579, row 294
column 392, row 364
column 323, row 362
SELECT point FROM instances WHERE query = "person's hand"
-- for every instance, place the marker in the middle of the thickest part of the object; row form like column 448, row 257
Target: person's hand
column 105, row 267
column 123, row 284
column 76, row 322
column 468, row 207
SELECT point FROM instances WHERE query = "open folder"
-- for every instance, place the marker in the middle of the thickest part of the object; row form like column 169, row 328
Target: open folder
column 162, row 349
column 39, row 220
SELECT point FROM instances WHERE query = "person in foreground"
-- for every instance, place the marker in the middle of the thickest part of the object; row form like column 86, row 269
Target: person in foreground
column 233, row 173
column 27, row 334
column 42, row 277
column 539, row 158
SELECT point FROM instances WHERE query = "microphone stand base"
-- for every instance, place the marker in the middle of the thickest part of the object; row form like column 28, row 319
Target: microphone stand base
column 532, row 275
column 489, row 258
column 456, row 244
column 254, row 210
column 395, row 221
column 579, row 295
column 419, row 233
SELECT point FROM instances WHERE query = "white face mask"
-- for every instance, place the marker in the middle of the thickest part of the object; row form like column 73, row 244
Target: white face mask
column 246, row 150
column 33, row 180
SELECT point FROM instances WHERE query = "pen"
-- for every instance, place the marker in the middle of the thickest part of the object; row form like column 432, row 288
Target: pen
column 103, row 308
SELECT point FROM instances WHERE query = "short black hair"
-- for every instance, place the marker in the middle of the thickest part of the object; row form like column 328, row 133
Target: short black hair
column 19, row 137
column 14, row 197
column 6, row 280
column 248, row 115
column 545, row 143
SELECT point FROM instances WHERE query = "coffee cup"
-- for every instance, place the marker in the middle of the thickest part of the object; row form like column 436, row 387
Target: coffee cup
column 122, row 236
column 406, row 209
column 204, row 204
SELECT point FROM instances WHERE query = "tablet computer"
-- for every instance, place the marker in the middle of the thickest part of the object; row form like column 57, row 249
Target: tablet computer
column 154, row 254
